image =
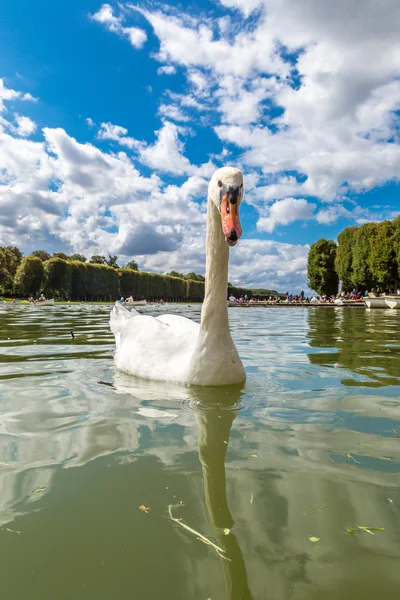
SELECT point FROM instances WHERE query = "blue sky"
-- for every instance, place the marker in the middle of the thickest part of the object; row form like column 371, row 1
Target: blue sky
column 114, row 116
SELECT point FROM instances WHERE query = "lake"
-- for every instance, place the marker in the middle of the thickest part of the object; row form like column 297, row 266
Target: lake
column 309, row 447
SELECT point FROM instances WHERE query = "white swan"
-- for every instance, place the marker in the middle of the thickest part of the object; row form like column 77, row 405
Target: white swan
column 174, row 348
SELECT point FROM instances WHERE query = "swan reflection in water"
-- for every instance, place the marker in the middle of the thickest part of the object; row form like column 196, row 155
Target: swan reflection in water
column 215, row 410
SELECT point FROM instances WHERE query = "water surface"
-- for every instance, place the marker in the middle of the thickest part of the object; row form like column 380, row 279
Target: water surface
column 83, row 447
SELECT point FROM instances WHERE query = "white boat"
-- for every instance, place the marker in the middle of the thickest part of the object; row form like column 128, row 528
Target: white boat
column 131, row 302
column 372, row 302
column 393, row 301
column 43, row 302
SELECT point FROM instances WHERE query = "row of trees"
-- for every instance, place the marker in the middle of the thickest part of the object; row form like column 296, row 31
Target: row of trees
column 96, row 259
column 365, row 257
column 70, row 279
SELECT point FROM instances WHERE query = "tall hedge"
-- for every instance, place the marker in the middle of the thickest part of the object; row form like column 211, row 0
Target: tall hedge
column 58, row 277
column 322, row 276
column 344, row 258
column 30, row 276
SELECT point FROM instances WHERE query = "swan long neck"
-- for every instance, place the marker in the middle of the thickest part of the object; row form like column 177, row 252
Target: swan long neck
column 215, row 312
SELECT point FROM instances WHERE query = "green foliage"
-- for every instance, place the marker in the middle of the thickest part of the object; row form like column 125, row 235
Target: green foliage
column 112, row 261
column 98, row 259
column 322, row 276
column 194, row 277
column 362, row 275
column 132, row 264
column 42, row 254
column 344, row 258
column 61, row 255
column 6, row 279
column 58, row 274
column 78, row 257
column 396, row 246
column 30, row 276
column 79, row 280
column 382, row 257
column 175, row 274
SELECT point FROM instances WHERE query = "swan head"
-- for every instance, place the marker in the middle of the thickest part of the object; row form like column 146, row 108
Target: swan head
column 226, row 191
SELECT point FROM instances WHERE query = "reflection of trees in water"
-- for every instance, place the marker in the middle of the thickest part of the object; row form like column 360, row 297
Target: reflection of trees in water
column 367, row 342
column 214, row 424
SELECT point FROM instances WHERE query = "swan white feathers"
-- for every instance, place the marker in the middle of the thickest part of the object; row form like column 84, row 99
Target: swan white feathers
column 174, row 348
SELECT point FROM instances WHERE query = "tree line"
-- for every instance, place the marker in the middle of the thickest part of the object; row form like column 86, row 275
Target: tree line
column 75, row 278
column 365, row 258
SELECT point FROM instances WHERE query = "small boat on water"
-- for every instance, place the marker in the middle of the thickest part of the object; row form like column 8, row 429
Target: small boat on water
column 131, row 302
column 393, row 301
column 375, row 302
column 43, row 302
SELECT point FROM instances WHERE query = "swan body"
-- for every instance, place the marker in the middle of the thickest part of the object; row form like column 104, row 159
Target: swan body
column 174, row 348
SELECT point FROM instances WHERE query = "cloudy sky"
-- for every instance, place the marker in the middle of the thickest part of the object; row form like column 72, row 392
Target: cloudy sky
column 114, row 116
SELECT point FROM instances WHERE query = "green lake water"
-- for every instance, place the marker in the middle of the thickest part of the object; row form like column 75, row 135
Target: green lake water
column 314, row 427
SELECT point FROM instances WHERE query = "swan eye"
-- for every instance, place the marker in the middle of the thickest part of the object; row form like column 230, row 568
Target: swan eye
column 220, row 183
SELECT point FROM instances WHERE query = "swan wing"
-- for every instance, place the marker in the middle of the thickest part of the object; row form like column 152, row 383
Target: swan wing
column 157, row 348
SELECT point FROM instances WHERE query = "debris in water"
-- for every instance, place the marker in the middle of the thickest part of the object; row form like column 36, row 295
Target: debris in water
column 312, row 510
column 220, row 551
column 370, row 529
column 72, row 335
column 39, row 490
column 144, row 508
column 336, row 365
column 313, row 539
column 390, row 500
column 226, row 531
column 251, row 498
column 373, row 456
column 348, row 455
column 254, row 455
column 13, row 531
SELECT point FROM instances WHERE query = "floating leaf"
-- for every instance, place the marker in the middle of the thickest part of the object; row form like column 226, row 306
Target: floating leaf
column 350, row 531
column 39, row 490
column 313, row 539
column 144, row 508
column 311, row 510
column 254, row 455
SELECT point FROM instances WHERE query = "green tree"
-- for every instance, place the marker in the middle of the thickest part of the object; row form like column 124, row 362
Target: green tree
column 396, row 247
column 322, row 276
column 98, row 259
column 132, row 264
column 362, row 276
column 30, row 276
column 58, row 278
column 79, row 280
column 6, row 279
column 78, row 257
column 61, row 255
column 175, row 274
column 112, row 261
column 12, row 256
column 194, row 276
column 382, row 256
column 42, row 254
column 344, row 258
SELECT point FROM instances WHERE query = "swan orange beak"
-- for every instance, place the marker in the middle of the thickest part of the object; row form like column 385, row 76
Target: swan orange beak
column 230, row 220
